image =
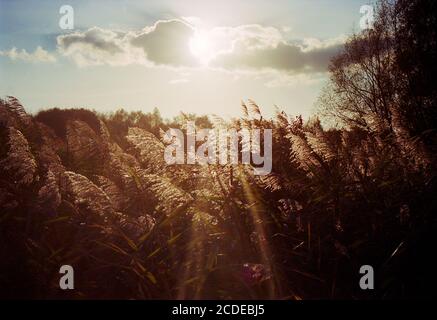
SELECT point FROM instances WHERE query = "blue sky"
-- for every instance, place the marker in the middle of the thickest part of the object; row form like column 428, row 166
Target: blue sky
column 234, row 50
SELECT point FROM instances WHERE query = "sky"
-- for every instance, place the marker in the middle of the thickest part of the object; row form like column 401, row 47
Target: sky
column 195, row 56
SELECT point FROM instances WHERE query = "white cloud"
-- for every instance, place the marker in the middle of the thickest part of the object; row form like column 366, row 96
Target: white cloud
column 167, row 43
column 311, row 44
column 39, row 55
column 235, row 49
column 275, row 53
column 98, row 46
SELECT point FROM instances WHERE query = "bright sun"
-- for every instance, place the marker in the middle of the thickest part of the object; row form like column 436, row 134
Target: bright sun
column 201, row 47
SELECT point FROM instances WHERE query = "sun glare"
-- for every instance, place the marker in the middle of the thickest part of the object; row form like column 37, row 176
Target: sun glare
column 201, row 47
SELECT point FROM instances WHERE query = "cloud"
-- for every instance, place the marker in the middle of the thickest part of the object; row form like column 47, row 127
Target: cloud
column 308, row 57
column 97, row 46
column 167, row 43
column 39, row 55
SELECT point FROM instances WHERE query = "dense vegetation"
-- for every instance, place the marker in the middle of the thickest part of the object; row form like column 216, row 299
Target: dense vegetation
column 93, row 190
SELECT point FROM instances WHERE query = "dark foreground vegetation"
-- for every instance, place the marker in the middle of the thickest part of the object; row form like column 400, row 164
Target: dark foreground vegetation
column 93, row 191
